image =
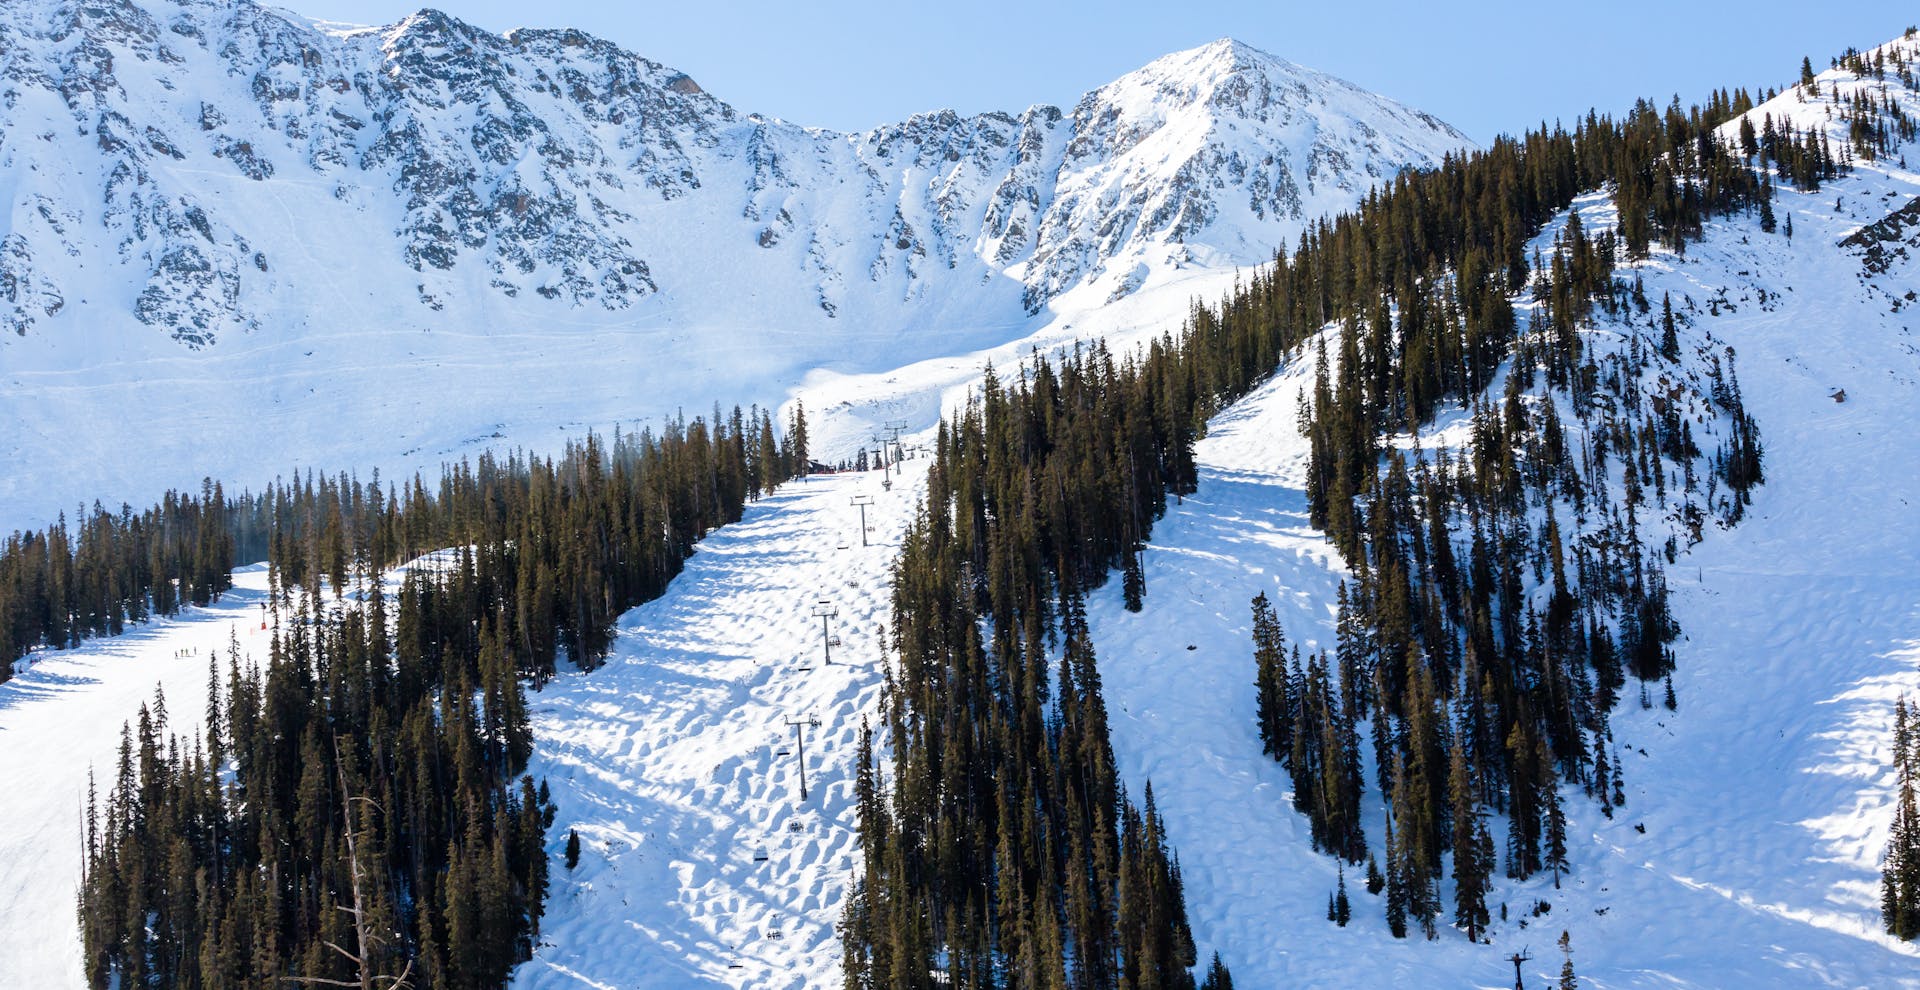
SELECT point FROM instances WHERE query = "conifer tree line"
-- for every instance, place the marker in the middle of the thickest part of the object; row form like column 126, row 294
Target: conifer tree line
column 1874, row 126
column 1504, row 597
column 640, row 502
column 996, row 849
column 1002, row 849
column 65, row 584
column 1900, row 873
column 356, row 808
column 219, row 858
column 559, row 548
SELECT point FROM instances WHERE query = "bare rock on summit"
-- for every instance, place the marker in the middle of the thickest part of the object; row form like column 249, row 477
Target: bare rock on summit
column 549, row 168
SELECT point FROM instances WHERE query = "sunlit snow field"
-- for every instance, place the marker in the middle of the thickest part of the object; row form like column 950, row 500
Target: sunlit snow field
column 1746, row 855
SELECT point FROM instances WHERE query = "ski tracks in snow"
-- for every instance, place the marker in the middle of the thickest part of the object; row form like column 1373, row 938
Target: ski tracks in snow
column 60, row 718
column 676, row 763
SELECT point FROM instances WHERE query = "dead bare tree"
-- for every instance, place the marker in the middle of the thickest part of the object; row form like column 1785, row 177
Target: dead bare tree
column 365, row 938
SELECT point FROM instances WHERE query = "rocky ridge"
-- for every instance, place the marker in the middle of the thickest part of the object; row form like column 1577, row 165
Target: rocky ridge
column 547, row 172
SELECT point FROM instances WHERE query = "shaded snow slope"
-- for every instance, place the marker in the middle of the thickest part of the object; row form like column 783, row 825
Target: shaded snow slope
column 1748, row 851
column 219, row 212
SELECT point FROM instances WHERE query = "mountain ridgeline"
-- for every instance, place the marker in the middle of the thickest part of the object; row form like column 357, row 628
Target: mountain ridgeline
column 1511, row 442
column 546, row 174
column 1506, row 594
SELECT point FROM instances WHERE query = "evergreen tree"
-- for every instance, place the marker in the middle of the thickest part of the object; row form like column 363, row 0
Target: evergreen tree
column 1471, row 868
column 1274, row 705
column 1568, row 981
column 1900, row 874
column 1217, row 977
column 1669, row 339
column 1556, row 833
column 797, row 451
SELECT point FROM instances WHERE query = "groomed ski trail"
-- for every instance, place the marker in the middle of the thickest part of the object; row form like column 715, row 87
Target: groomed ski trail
column 667, row 759
column 60, row 717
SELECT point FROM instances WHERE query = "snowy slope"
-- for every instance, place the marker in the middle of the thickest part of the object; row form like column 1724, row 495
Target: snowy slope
column 60, row 718
column 218, row 212
column 1748, row 852
column 1746, row 855
column 1784, row 856
column 669, row 760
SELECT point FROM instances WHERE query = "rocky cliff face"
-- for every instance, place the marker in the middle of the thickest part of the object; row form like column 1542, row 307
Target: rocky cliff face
column 216, row 167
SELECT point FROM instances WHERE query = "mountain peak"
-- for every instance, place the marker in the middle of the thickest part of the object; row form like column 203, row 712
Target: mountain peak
column 433, row 22
column 1228, row 78
column 534, row 177
column 1223, row 59
column 1234, row 51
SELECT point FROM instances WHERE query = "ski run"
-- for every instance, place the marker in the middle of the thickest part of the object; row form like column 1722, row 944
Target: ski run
column 680, row 763
column 1747, row 854
column 60, row 720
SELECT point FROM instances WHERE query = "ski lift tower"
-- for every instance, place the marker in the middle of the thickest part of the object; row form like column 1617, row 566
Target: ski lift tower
column 894, row 428
column 800, row 727
column 1516, row 959
column 826, row 612
column 861, row 502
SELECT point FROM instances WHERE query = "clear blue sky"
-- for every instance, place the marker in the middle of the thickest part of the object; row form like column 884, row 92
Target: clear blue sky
column 1485, row 67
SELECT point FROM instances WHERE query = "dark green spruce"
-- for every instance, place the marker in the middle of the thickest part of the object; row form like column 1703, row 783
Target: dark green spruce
column 363, row 784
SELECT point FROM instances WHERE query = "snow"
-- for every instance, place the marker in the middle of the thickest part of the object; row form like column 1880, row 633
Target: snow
column 60, row 718
column 1764, row 800
column 668, row 759
column 847, row 409
column 1748, row 850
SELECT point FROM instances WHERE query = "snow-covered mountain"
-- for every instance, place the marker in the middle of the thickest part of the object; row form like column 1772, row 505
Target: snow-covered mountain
column 225, row 210
column 1746, row 855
